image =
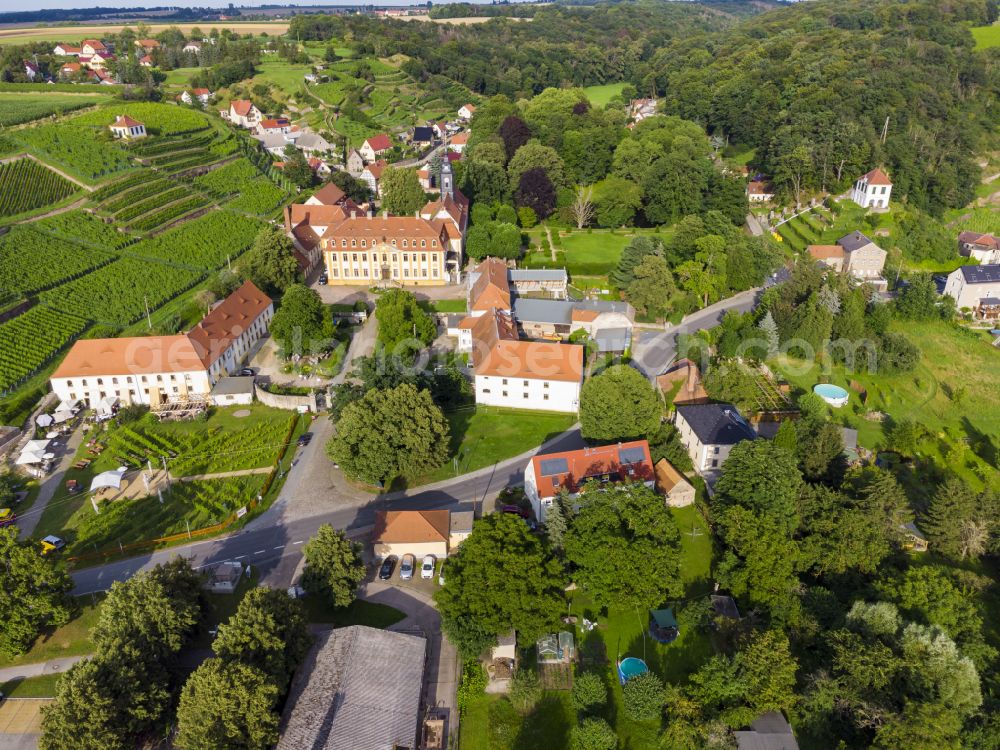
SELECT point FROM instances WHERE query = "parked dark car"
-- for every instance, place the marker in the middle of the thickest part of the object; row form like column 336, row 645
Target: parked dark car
column 516, row 510
column 388, row 566
column 305, row 438
column 322, row 278
column 247, row 372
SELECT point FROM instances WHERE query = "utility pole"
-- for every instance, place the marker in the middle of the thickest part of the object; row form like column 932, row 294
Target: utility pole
column 149, row 321
column 885, row 130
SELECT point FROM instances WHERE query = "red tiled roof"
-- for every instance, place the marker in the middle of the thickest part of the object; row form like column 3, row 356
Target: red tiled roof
column 136, row 355
column 274, row 123
column 982, row 240
column 491, row 288
column 758, row 187
column 124, row 121
column 459, row 139
column 376, row 168
column 877, row 177
column 241, row 106
column 823, row 252
column 227, row 321
column 200, row 92
column 329, row 195
column 604, row 462
column 380, row 142
column 411, row 526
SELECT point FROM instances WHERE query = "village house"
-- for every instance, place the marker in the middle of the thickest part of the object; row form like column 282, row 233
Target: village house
column 984, row 248
column 70, row 70
column 759, row 191
column 67, row 50
column 422, row 136
column 127, row 128
column 146, row 61
column 709, row 432
column 374, row 147
column 273, row 126
column 458, row 142
column 354, row 162
column 97, row 61
column 202, row 96
column 243, row 112
column 854, row 254
column 673, row 485
column 440, row 129
column 147, row 45
column 424, row 178
column 192, row 47
column 872, row 190
column 30, row 70
column 549, row 474
column 466, row 111
column 91, row 47
column 640, row 109
column 308, row 222
column 319, row 167
column 160, row 370
column 977, row 289
column 770, row 731
column 419, row 532
column 312, row 144
column 372, row 174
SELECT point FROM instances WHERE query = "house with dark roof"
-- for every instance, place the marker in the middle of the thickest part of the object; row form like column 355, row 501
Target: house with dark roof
column 984, row 248
column 357, row 688
column 863, row 259
column 709, row 432
column 574, row 471
column 977, row 289
column 422, row 135
column 872, row 190
column 770, row 731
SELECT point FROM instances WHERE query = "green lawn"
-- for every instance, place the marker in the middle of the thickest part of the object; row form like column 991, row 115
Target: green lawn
column 283, row 75
column 986, row 36
column 360, row 612
column 179, row 76
column 43, row 686
column 488, row 434
column 963, row 425
column 600, row 95
column 443, row 305
column 72, row 639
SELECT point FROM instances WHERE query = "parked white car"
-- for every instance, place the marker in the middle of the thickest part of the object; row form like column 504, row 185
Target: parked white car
column 427, row 569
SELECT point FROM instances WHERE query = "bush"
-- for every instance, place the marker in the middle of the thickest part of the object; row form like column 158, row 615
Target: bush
column 593, row 734
column 525, row 690
column 643, row 697
column 473, row 684
column 589, row 692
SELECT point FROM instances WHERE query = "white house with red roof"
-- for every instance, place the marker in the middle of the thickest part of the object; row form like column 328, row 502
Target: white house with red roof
column 66, row 50
column 146, row 61
column 202, row 96
column 575, row 472
column 372, row 174
column 273, row 126
column 459, row 141
column 91, row 47
column 146, row 45
column 244, row 113
column 759, row 191
column 127, row 128
column 375, row 146
column 158, row 370
column 466, row 111
column 984, row 248
column 872, row 190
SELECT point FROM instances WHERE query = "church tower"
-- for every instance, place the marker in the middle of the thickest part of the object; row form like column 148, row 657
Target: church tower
column 447, row 179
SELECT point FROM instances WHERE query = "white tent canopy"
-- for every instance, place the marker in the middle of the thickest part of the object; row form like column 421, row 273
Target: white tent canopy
column 29, row 457
column 67, row 405
column 44, row 420
column 108, row 479
column 35, row 446
column 63, row 415
column 107, row 405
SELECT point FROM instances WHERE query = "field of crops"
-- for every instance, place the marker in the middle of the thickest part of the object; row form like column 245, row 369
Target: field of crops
column 26, row 185
column 83, row 228
column 117, row 294
column 159, row 119
column 30, row 340
column 161, row 218
column 138, row 207
column 31, row 261
column 228, row 179
column 25, row 107
column 129, row 196
column 75, row 149
column 257, row 197
column 203, row 243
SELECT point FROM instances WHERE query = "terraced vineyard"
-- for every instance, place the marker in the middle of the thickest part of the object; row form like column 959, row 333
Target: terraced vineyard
column 31, row 340
column 228, row 179
column 21, row 107
column 815, row 227
column 83, row 228
column 76, row 150
column 31, row 261
column 169, row 213
column 231, row 234
column 117, row 294
column 258, row 197
column 159, row 119
column 26, row 185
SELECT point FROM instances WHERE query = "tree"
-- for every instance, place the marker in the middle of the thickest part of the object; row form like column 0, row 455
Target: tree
column 952, row 506
column 301, row 324
column 271, row 263
column 401, row 320
column 525, row 690
column 493, row 239
column 643, row 697
column 485, row 182
column 355, row 189
column 765, row 669
column 593, row 734
column 590, row 694
column 534, row 155
column 918, row 300
column 297, row 169
column 526, row 217
column 632, row 255
column 333, row 566
column 398, row 432
column 502, row 578
column 557, row 521
column 35, row 593
column 791, row 168
column 227, row 704
column 616, row 201
column 401, row 191
column 86, row 714
column 514, row 133
column 268, row 631
column 769, row 330
column 619, row 404
column 583, row 206
column 652, row 288
column 535, row 191
column 620, row 532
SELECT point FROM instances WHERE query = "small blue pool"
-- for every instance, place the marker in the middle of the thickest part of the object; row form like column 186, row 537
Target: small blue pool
column 832, row 394
column 630, row 667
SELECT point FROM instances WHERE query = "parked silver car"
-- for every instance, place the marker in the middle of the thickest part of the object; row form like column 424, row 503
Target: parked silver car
column 406, row 567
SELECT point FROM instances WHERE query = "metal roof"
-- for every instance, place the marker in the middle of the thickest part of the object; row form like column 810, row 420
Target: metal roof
column 988, row 274
column 230, row 386
column 854, row 241
column 537, row 274
column 716, row 424
column 557, row 312
column 613, row 339
column 552, row 466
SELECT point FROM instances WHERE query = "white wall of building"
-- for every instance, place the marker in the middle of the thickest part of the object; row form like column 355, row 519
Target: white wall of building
column 528, row 393
column 968, row 295
column 871, row 196
column 132, row 389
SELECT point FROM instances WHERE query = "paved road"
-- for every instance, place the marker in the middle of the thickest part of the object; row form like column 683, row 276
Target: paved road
column 52, row 666
column 273, row 542
column 52, row 483
column 653, row 351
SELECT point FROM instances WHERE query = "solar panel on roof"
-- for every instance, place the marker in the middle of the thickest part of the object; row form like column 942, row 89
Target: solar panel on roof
column 627, row 456
column 550, row 466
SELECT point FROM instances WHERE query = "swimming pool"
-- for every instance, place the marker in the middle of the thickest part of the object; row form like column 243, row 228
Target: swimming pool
column 630, row 667
column 832, row 394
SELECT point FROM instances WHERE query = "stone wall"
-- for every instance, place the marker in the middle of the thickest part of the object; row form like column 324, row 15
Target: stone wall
column 294, row 403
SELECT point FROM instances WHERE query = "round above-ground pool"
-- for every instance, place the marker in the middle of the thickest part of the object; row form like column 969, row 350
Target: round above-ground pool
column 832, row 394
column 630, row 667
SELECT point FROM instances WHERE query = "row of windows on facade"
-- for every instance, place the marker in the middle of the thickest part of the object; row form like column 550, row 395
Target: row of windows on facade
column 129, row 379
column 134, row 392
column 545, row 396
column 404, row 243
column 364, row 257
column 545, row 383
column 363, row 273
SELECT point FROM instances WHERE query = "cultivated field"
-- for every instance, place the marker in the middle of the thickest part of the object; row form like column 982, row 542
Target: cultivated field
column 17, row 108
column 986, row 36
column 71, row 33
column 464, row 21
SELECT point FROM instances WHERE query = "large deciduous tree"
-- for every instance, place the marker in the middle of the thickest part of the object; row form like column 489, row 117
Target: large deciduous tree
column 401, row 319
column 271, row 263
column 652, row 287
column 621, row 534
column 502, row 578
column 401, row 191
column 333, row 566
column 619, row 404
column 34, row 593
column 391, row 433
column 535, row 191
column 301, row 325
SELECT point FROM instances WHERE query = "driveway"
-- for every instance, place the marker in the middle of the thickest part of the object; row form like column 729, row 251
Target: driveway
column 442, row 672
column 52, row 484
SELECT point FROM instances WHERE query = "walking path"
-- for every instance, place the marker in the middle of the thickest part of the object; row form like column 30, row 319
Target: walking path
column 50, row 485
column 38, row 669
column 222, row 474
column 54, row 212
